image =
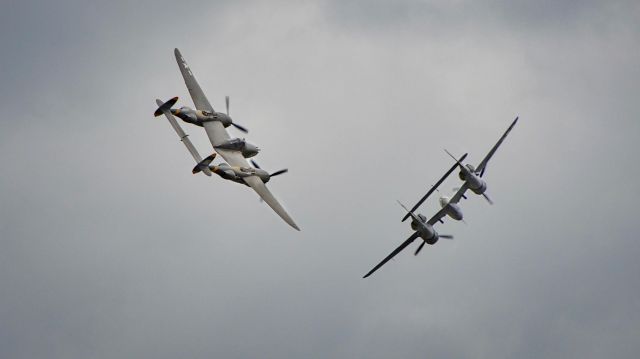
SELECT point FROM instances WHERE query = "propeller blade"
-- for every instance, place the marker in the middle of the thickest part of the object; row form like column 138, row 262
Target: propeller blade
column 240, row 127
column 419, row 248
column 279, row 172
column 255, row 164
column 447, row 236
column 487, row 198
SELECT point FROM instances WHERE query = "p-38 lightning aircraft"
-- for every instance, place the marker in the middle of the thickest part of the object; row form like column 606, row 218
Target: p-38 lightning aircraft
column 235, row 151
column 423, row 228
column 472, row 178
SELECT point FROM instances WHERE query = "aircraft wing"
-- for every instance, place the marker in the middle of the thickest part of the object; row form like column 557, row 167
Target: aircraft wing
column 217, row 135
column 481, row 167
column 438, row 216
column 199, row 99
column 456, row 197
column 215, row 130
column 393, row 254
column 261, row 189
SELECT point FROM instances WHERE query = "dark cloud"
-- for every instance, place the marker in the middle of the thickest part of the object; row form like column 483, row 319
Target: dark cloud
column 109, row 247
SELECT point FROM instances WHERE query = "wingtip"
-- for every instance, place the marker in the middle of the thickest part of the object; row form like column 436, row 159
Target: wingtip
column 287, row 218
column 178, row 55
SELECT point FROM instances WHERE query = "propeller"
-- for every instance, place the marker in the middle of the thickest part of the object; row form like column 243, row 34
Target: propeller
column 279, row 172
column 276, row 173
column 241, row 128
column 447, row 236
column 487, row 198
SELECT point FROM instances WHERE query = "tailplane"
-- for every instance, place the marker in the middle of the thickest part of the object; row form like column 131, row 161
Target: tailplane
column 165, row 106
column 204, row 164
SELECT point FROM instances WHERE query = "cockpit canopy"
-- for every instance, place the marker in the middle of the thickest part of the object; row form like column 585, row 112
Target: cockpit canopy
column 236, row 140
column 185, row 109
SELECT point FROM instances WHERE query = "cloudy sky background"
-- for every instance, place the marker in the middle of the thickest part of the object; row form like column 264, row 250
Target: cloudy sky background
column 110, row 247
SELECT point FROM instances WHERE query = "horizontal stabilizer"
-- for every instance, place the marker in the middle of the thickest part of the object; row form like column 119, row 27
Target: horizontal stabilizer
column 165, row 106
column 204, row 164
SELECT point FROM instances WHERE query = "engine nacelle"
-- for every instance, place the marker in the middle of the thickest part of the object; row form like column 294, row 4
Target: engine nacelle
column 474, row 182
column 479, row 187
column 230, row 175
column 224, row 171
column 187, row 115
column 224, row 119
column 429, row 235
column 433, row 239
column 414, row 225
column 462, row 174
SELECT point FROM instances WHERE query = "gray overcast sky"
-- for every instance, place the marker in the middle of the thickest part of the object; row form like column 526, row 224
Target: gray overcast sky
column 111, row 248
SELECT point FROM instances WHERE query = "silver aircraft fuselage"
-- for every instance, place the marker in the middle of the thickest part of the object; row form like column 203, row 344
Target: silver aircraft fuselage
column 453, row 209
column 239, row 144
